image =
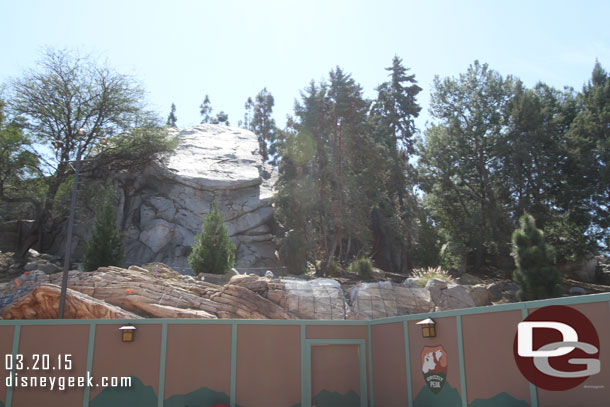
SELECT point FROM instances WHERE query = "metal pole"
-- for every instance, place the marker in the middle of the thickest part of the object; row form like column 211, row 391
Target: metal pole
column 64, row 280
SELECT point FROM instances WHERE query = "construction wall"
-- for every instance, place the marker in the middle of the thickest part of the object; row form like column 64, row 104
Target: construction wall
column 244, row 363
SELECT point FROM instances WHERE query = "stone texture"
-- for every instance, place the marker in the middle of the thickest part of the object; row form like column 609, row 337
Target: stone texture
column 577, row 291
column 435, row 286
column 469, row 279
column 480, row 295
column 411, row 282
column 162, row 207
column 387, row 299
column 454, row 297
column 43, row 303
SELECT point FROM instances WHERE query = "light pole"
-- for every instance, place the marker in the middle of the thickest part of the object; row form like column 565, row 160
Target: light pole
column 64, row 280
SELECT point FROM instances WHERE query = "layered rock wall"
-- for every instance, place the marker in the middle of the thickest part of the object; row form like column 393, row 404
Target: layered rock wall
column 162, row 207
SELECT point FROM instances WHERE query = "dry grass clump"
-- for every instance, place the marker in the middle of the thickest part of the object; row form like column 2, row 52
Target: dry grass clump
column 426, row 274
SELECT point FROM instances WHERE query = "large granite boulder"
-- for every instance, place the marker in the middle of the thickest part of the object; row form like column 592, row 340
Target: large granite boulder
column 162, row 207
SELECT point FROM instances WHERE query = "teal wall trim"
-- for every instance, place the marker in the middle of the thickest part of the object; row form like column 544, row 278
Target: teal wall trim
column 371, row 390
column 460, row 344
column 533, row 389
column 233, row 362
column 15, row 350
column 161, row 395
column 304, row 372
column 405, row 327
column 90, row 350
column 583, row 299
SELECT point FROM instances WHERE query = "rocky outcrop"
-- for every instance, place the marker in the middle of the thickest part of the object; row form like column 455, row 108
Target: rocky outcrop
column 162, row 207
column 156, row 290
column 43, row 303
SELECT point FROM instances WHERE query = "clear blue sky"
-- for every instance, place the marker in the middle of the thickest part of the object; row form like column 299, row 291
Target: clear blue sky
column 181, row 50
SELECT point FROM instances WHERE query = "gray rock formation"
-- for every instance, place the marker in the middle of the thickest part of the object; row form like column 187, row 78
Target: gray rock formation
column 165, row 210
column 162, row 207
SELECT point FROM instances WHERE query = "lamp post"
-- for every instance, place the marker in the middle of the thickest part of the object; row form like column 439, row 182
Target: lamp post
column 64, row 279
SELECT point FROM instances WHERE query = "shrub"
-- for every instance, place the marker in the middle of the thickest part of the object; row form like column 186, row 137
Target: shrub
column 536, row 273
column 104, row 247
column 362, row 266
column 424, row 275
column 213, row 251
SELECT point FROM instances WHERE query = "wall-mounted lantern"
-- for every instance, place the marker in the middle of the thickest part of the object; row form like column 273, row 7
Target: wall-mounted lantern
column 428, row 327
column 127, row 333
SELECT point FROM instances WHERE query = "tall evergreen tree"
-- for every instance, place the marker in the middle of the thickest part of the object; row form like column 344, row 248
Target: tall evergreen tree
column 248, row 107
column 588, row 163
column 105, row 247
column 172, row 119
column 396, row 105
column 535, row 274
column 205, row 109
column 263, row 125
column 331, row 173
column 393, row 115
column 460, row 164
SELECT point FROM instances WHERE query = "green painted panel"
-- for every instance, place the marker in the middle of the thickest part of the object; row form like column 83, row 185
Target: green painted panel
column 499, row 400
column 447, row 397
column 138, row 395
column 203, row 397
column 333, row 399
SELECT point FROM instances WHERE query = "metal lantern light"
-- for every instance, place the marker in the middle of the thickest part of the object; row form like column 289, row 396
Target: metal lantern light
column 428, row 327
column 127, row 333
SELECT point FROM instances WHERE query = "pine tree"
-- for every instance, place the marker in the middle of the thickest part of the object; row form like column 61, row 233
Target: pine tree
column 536, row 273
column 248, row 106
column 206, row 110
column 172, row 119
column 213, row 251
column 262, row 123
column 221, row 118
column 104, row 247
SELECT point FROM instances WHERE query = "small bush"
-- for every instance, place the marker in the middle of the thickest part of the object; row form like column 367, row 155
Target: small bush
column 362, row 266
column 104, row 247
column 213, row 251
column 424, row 275
column 536, row 273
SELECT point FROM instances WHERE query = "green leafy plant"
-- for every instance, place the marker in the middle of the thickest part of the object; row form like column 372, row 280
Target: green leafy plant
column 104, row 247
column 536, row 273
column 362, row 266
column 213, row 251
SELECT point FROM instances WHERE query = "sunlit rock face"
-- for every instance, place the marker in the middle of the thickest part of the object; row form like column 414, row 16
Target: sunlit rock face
column 162, row 208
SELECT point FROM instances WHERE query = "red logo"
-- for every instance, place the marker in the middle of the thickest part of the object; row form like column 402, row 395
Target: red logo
column 556, row 348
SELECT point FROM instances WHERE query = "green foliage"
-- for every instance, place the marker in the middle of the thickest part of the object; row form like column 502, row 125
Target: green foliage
column 172, row 119
column 337, row 189
column 263, row 124
column 205, row 109
column 18, row 162
column 221, row 118
column 292, row 253
column 67, row 92
column 499, row 149
column 133, row 149
column 460, row 166
column 536, row 274
column 104, row 247
column 362, row 266
column 213, row 251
